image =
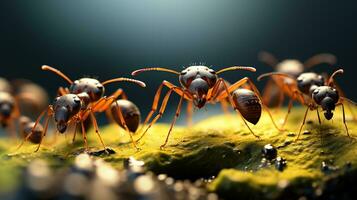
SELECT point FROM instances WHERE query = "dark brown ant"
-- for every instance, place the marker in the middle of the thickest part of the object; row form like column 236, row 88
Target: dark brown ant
column 33, row 98
column 311, row 90
column 18, row 98
column 201, row 85
column 83, row 99
column 8, row 107
column 272, row 95
column 9, row 112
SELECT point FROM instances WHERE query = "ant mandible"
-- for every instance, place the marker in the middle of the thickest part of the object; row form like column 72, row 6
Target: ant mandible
column 201, row 85
column 84, row 97
column 272, row 95
column 311, row 90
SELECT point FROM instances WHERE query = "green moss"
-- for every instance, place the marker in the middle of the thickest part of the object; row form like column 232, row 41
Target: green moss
column 220, row 142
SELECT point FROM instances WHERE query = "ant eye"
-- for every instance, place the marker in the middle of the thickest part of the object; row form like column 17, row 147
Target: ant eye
column 212, row 71
column 183, row 72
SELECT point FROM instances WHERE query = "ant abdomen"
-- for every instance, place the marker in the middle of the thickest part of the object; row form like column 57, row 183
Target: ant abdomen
column 248, row 104
column 130, row 112
column 27, row 128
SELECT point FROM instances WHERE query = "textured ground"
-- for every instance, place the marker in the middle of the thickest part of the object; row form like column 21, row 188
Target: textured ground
column 222, row 147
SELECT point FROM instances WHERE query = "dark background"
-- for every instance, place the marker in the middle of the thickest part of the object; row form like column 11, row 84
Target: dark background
column 108, row 39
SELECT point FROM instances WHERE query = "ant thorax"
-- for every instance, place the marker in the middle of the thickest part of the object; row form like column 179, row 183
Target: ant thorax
column 308, row 81
column 91, row 86
column 290, row 67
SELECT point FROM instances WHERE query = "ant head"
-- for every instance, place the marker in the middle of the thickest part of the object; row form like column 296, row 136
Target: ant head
column 327, row 97
column 198, row 80
column 7, row 103
column 91, row 86
column 307, row 82
column 65, row 107
column 290, row 67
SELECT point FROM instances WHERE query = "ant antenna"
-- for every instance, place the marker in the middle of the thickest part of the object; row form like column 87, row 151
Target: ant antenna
column 56, row 71
column 319, row 59
column 154, row 69
column 330, row 80
column 274, row 73
column 252, row 69
column 140, row 83
column 268, row 58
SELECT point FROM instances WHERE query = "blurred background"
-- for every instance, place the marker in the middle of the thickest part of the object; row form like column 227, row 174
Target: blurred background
column 107, row 39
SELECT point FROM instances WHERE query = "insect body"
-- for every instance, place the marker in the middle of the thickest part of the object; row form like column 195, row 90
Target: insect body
column 20, row 97
column 201, row 85
column 272, row 94
column 81, row 101
column 128, row 111
column 26, row 125
column 313, row 91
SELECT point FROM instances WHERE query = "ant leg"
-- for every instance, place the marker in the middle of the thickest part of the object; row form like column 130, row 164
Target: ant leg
column 189, row 113
column 161, row 111
column 177, row 114
column 84, row 135
column 12, row 129
column 43, row 134
column 37, row 121
column 281, row 100
column 96, row 128
column 109, row 100
column 122, row 120
column 267, row 92
column 154, row 104
column 318, row 114
column 157, row 98
column 109, row 116
column 224, row 106
column 303, row 123
column 349, row 102
column 75, row 132
column 62, row 91
column 287, row 114
column 344, row 118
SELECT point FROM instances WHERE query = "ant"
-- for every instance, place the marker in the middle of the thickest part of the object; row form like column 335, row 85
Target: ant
column 201, row 85
column 129, row 113
column 311, row 89
column 17, row 98
column 272, row 95
column 80, row 101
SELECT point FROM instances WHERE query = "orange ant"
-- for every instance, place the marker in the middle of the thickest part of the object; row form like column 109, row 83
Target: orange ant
column 201, row 85
column 81, row 100
column 272, row 95
column 311, row 90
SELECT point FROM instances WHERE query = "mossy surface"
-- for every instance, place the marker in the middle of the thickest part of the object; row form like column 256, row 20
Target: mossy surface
column 219, row 146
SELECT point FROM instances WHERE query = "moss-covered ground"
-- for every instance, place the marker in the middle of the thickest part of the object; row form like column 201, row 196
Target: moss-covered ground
column 220, row 146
